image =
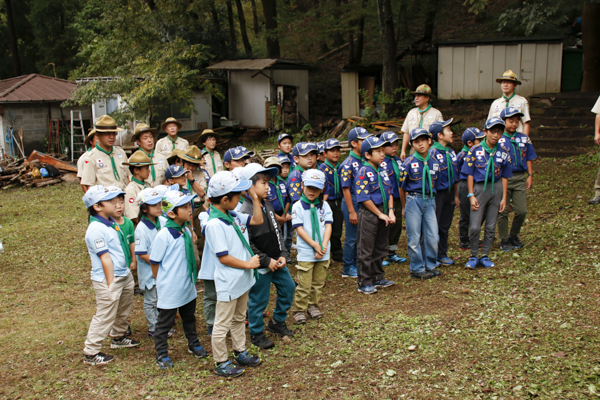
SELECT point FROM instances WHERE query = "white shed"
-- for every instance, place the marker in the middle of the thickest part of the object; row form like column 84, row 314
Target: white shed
column 468, row 69
column 254, row 86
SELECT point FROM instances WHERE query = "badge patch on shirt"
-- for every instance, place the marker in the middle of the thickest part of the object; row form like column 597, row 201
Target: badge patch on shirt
column 358, row 191
column 160, row 161
column 355, row 164
column 498, row 159
column 479, row 153
column 131, row 200
column 99, row 244
column 498, row 154
column 436, row 167
column 370, row 174
column 166, row 147
column 293, row 215
column 502, row 140
column 137, row 241
column 119, row 155
column 504, row 155
column 414, row 165
column 100, row 163
column 440, row 157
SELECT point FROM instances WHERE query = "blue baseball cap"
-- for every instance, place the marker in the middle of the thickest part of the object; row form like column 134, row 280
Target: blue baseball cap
column 175, row 171
column 321, row 147
column 99, row 193
column 332, row 144
column 418, row 132
column 493, row 121
column 284, row 158
column 314, row 178
column 237, row 153
column 175, row 198
column 253, row 168
column 437, row 127
column 471, row 134
column 224, row 182
column 284, row 136
column 304, row 148
column 358, row 133
column 510, row 112
column 389, row 137
column 370, row 143
column 153, row 195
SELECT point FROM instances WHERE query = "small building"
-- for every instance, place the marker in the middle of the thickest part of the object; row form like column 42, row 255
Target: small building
column 31, row 102
column 467, row 69
column 354, row 79
column 255, row 86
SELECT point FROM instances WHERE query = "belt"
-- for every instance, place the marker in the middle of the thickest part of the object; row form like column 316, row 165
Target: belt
column 518, row 173
column 416, row 194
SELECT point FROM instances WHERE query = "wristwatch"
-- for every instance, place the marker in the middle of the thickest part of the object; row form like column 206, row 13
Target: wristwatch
column 470, row 194
column 391, row 208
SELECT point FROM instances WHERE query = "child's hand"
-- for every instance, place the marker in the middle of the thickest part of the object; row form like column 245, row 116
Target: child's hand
column 529, row 182
column 254, row 262
column 133, row 266
column 403, row 212
column 385, row 218
column 502, row 205
column 252, row 194
column 273, row 264
column 456, row 202
column 353, row 218
column 281, row 262
column 474, row 203
column 392, row 217
column 288, row 217
column 318, row 255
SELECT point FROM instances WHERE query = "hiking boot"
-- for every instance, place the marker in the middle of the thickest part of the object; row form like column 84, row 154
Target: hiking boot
column 98, row 359
column 514, row 240
column 435, row 272
column 124, row 342
column 228, row 370
column 395, row 258
column 197, row 350
column 472, row 263
column 421, row 275
column 368, row 289
column 261, row 341
column 279, row 328
column 164, row 361
column 464, row 246
column 313, row 312
column 299, row 318
column 384, row 263
column 595, row 200
column 349, row 272
column 382, row 283
column 245, row 360
column 486, row 262
column 445, row 261
column 506, row 245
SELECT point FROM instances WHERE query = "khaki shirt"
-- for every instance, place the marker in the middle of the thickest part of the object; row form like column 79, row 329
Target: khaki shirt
column 159, row 169
column 518, row 102
column 99, row 171
column 132, row 208
column 201, row 179
column 81, row 163
column 209, row 163
column 596, row 109
column 413, row 118
column 165, row 147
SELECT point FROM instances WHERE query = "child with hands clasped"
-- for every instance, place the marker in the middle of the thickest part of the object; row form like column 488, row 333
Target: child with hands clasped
column 312, row 219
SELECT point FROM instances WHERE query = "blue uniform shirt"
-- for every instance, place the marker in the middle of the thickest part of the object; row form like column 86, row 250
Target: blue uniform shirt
column 460, row 160
column 272, row 195
column 348, row 170
column 412, row 175
column 443, row 177
column 366, row 185
column 476, row 163
column 145, row 233
column 294, row 181
column 330, row 182
column 289, row 155
column 301, row 217
column 524, row 146
column 387, row 164
column 173, row 284
column 100, row 238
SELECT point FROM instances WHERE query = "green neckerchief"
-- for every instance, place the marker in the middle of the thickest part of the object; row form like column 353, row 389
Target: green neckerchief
column 336, row 176
column 490, row 162
column 314, row 218
column 438, row 146
column 189, row 249
column 298, row 168
column 214, row 212
column 189, row 186
column 211, row 154
column 395, row 167
column 422, row 115
column 112, row 161
column 381, row 189
column 426, row 174
column 151, row 166
column 172, row 141
column 278, row 191
column 513, row 143
column 122, row 239
column 354, row 155
column 156, row 224
column 465, row 148
column 136, row 180
column 508, row 98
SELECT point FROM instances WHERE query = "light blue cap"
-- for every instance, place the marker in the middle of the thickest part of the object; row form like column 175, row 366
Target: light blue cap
column 314, row 178
column 99, row 193
column 224, row 182
column 253, row 168
column 493, row 121
column 175, row 198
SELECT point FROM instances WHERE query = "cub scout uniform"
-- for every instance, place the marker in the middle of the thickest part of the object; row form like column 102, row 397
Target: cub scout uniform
column 516, row 101
column 333, row 181
column 392, row 165
column 417, row 119
column 293, row 184
column 411, row 177
column 166, row 145
column 132, row 208
column 333, row 188
column 100, row 170
column 278, row 196
column 214, row 163
column 348, row 170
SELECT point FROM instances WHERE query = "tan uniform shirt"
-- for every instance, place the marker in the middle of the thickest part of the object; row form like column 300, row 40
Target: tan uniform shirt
column 209, row 163
column 81, row 163
column 201, row 179
column 99, row 171
column 518, row 102
column 413, row 119
column 165, row 146
column 132, row 208
column 159, row 169
column 596, row 109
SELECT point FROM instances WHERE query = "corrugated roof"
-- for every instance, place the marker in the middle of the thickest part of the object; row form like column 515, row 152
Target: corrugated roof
column 257, row 64
column 35, row 88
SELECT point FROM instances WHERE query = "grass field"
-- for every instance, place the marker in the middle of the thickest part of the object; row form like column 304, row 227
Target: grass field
column 525, row 329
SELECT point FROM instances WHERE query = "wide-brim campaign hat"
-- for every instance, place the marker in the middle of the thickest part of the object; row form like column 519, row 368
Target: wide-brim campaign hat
column 89, row 137
column 106, row 124
column 139, row 159
column 142, row 128
column 175, row 153
column 193, row 155
column 273, row 162
column 509, row 76
column 168, row 121
column 206, row 133
column 424, row 90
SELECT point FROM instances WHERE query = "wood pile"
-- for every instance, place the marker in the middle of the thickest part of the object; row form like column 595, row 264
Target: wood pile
column 26, row 172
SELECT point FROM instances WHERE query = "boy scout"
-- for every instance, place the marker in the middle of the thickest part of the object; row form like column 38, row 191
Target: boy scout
column 90, row 142
column 508, row 83
column 171, row 142
column 421, row 116
column 139, row 166
column 212, row 157
column 105, row 166
column 145, row 137
column 333, row 194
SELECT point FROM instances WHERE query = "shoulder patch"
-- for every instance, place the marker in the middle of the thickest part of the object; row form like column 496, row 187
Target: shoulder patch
column 99, row 244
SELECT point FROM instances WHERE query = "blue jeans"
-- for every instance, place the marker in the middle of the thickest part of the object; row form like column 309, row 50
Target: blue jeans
column 288, row 234
column 349, row 253
column 421, row 230
column 259, row 298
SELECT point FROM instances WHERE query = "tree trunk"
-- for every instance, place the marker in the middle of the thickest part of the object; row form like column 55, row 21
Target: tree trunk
column 590, row 30
column 215, row 16
column 270, row 14
column 255, row 18
column 12, row 37
column 232, row 39
column 388, row 51
column 360, row 40
column 430, row 20
column 242, row 19
column 403, row 22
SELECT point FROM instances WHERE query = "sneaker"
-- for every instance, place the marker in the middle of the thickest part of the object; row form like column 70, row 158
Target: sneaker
column 446, row 261
column 313, row 312
column 384, row 263
column 98, row 359
column 299, row 318
column 228, row 370
column 128, row 331
column 395, row 258
column 595, row 200
column 486, row 262
column 245, row 360
column 437, row 264
column 382, row 283
column 465, row 246
column 368, row 289
column 123, row 342
column 197, row 350
column 279, row 328
column 472, row 263
column 349, row 272
column 506, row 245
column 164, row 361
column 514, row 240
column 435, row 272
column 421, row 275
column 261, row 341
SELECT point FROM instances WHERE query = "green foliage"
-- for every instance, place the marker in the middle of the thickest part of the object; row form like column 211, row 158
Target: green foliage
column 476, row 6
column 544, row 17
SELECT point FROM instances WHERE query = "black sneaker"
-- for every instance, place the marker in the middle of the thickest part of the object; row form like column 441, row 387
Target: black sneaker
column 514, row 239
column 124, row 342
column 197, row 350
column 164, row 361
column 98, row 359
column 435, row 272
column 506, row 245
column 244, row 359
column 261, row 341
column 279, row 328
column 421, row 275
column 465, row 246
column 228, row 370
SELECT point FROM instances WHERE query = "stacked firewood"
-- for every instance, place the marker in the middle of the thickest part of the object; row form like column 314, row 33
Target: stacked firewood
column 29, row 173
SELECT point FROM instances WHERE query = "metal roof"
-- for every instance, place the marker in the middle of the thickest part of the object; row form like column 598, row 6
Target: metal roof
column 500, row 41
column 35, row 88
column 258, row 64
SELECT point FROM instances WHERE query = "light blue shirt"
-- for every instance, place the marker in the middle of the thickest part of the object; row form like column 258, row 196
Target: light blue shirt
column 223, row 240
column 207, row 270
column 145, row 233
column 301, row 217
column 100, row 238
column 173, row 284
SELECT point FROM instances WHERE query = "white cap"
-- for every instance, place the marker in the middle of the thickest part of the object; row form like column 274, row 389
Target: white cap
column 314, row 178
column 175, row 199
column 224, row 182
column 253, row 168
column 99, row 193
column 152, row 196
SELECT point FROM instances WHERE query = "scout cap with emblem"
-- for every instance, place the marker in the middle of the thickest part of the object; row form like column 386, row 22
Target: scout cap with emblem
column 509, row 76
column 424, row 90
column 143, row 128
column 206, row 134
column 332, row 144
column 438, row 126
column 106, row 124
column 471, row 134
column 491, row 122
column 320, row 147
column 150, row 196
column 305, row 148
column 418, row 132
column 389, row 137
column 139, row 159
column 173, row 199
column 371, row 143
column 314, row 178
column 175, row 153
column 237, row 153
column 253, row 168
column 168, row 121
column 284, row 136
column 224, row 182
column 175, row 171
column 99, row 193
column 510, row 112
column 284, row 159
column 193, row 155
column 358, row 133
column 89, row 137
column 273, row 162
